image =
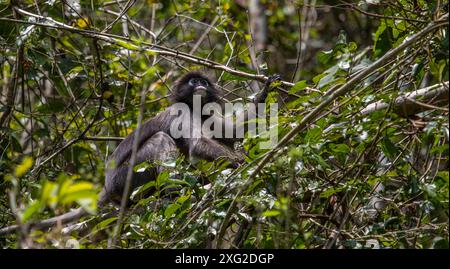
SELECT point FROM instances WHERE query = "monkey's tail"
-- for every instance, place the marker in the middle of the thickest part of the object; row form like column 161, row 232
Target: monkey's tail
column 62, row 219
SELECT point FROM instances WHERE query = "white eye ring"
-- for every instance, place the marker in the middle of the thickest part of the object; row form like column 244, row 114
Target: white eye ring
column 193, row 81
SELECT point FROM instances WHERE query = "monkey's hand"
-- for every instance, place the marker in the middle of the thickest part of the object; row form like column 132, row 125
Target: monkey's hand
column 273, row 81
column 237, row 160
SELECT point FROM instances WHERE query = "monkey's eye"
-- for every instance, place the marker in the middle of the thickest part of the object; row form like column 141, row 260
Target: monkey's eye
column 198, row 82
column 193, row 81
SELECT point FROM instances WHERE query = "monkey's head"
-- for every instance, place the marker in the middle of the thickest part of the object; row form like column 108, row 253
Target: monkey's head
column 194, row 83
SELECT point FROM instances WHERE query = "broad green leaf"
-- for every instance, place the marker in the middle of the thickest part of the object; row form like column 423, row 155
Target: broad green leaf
column 104, row 224
column 31, row 210
column 298, row 86
column 388, row 147
column 52, row 106
column 183, row 199
column 271, row 213
column 170, row 210
column 330, row 192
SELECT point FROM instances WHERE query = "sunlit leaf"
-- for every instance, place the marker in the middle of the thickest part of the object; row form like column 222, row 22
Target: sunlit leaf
column 22, row 168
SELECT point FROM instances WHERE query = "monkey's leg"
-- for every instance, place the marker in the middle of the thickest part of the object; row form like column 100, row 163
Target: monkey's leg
column 159, row 148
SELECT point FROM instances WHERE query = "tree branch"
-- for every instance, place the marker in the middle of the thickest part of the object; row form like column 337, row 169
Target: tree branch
column 406, row 104
column 327, row 100
column 138, row 45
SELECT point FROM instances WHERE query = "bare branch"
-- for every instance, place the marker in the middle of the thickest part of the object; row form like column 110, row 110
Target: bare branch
column 408, row 105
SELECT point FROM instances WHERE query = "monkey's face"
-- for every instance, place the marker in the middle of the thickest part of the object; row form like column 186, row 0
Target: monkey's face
column 195, row 84
column 199, row 86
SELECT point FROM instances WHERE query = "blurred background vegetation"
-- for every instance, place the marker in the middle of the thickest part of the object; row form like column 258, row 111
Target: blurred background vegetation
column 359, row 176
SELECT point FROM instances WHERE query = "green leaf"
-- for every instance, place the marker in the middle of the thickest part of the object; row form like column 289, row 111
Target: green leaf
column 298, row 86
column 317, row 78
column 438, row 68
column 313, row 135
column 330, row 192
column 102, row 225
column 78, row 191
column 183, row 199
column 22, row 168
column 48, row 194
column 343, row 148
column 31, row 210
column 143, row 188
column 325, row 57
column 143, row 165
column 171, row 209
column 126, row 45
column 352, row 47
column 440, row 243
column 162, row 178
column 271, row 213
column 52, row 106
column 73, row 73
column 378, row 33
column 382, row 42
column 388, row 147
column 78, row 196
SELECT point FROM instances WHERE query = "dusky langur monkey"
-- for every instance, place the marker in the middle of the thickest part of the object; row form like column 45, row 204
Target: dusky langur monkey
column 156, row 143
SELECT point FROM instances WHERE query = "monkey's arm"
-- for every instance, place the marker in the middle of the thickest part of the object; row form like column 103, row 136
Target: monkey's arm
column 210, row 150
column 262, row 95
column 249, row 115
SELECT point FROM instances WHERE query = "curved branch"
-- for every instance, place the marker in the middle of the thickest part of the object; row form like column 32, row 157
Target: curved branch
column 408, row 104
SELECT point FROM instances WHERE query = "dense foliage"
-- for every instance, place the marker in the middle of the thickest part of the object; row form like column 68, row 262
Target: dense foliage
column 76, row 77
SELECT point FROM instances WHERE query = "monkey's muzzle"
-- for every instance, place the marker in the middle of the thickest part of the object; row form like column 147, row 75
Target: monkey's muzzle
column 200, row 90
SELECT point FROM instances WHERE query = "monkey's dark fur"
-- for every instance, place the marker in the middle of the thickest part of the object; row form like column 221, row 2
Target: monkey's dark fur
column 155, row 143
